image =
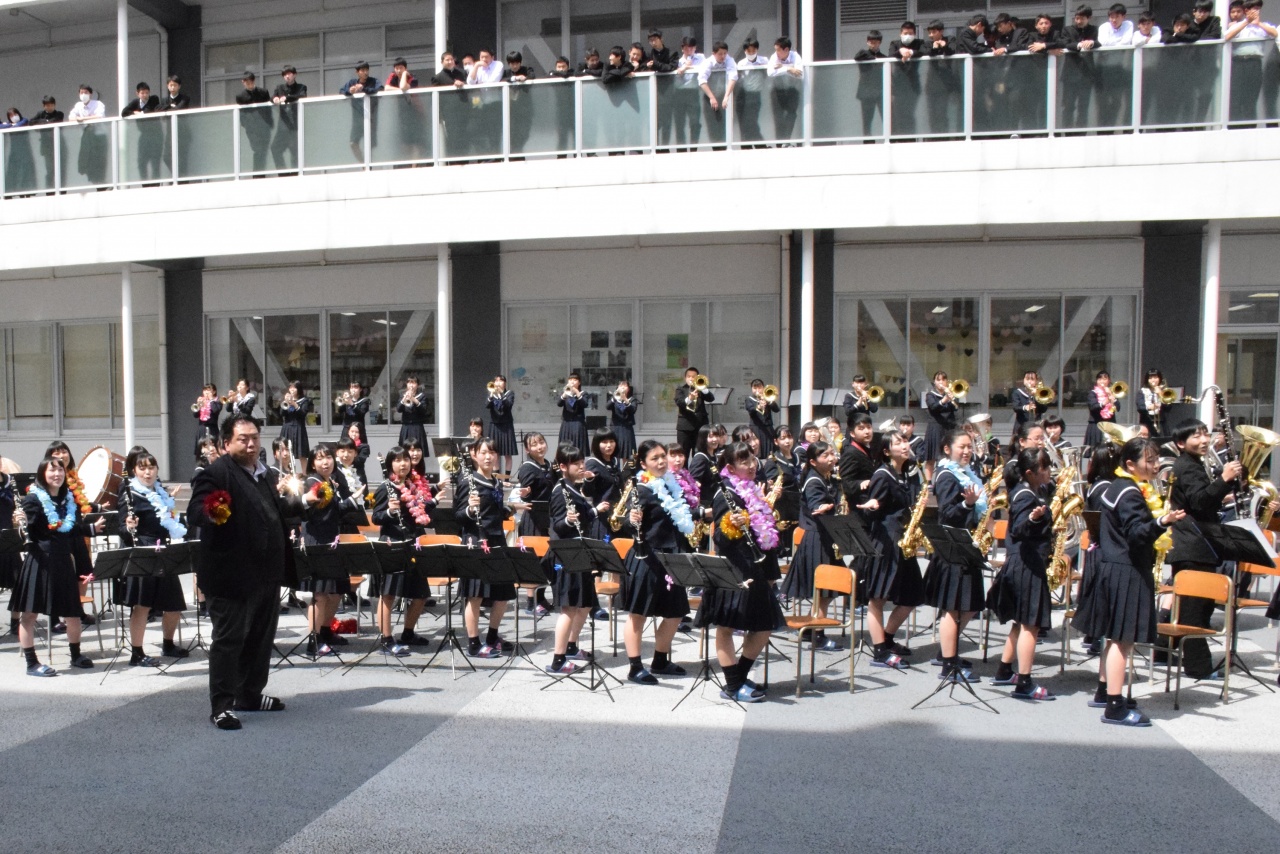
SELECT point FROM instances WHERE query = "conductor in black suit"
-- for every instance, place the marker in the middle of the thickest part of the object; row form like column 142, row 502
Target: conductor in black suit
column 244, row 559
column 691, row 411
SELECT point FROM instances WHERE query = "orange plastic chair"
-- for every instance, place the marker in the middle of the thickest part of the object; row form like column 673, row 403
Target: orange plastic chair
column 844, row 581
column 1205, row 585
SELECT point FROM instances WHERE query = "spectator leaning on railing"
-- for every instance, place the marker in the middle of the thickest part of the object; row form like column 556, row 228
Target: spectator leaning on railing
column 1246, row 59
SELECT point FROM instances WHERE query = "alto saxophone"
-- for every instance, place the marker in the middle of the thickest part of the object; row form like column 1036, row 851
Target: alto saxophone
column 1164, row 542
column 913, row 538
column 983, row 537
column 619, row 513
column 1059, row 570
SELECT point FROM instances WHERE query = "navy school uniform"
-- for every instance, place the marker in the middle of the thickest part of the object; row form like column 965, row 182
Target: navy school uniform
column 538, row 478
column 320, row 527
column 816, row 547
column 761, row 422
column 159, row 594
column 1083, row 619
column 942, row 420
column 754, row 609
column 1092, row 434
column 605, row 485
column 355, row 413
column 572, row 589
column 485, row 526
column 573, row 422
column 208, row 427
column 1124, row 603
column 294, row 430
column 891, row 576
column 949, row 586
column 413, row 416
column 397, row 527
column 623, row 421
column 1020, row 591
column 47, row 582
column 502, row 426
column 647, row 591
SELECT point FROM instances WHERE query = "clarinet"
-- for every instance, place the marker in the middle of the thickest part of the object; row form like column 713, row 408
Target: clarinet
column 1231, row 455
column 577, row 521
column 735, row 505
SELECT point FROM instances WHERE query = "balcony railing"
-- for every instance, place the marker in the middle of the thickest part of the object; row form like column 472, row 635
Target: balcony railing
column 1199, row 86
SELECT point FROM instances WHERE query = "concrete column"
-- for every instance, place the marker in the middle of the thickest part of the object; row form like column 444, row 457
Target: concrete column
column 806, row 325
column 442, row 30
column 126, row 345
column 806, row 30
column 123, row 94
column 1209, row 316
column 444, row 341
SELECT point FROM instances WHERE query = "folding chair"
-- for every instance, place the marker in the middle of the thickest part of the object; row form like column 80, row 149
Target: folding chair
column 844, row 581
column 1205, row 585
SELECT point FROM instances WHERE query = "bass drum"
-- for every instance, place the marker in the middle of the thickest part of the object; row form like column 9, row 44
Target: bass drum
column 101, row 472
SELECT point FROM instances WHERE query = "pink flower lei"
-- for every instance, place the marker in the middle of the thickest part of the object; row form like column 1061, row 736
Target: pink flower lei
column 690, row 487
column 762, row 524
column 414, row 495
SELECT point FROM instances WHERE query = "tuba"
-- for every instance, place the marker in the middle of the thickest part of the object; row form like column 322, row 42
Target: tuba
column 1258, row 444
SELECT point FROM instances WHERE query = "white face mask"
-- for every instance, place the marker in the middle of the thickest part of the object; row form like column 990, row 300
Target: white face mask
column 908, row 38
column 84, row 97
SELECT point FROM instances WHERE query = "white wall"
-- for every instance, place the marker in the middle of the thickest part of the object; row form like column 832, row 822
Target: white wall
column 30, row 73
column 404, row 283
column 1252, row 259
column 59, row 294
column 228, row 20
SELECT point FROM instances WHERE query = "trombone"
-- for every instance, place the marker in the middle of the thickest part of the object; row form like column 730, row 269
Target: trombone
column 958, row 390
column 1167, row 395
column 767, row 397
column 701, row 383
column 1119, row 389
column 875, row 394
column 1044, row 395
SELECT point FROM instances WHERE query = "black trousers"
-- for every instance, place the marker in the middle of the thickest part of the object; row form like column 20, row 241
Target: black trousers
column 240, row 651
column 1197, row 662
column 687, row 439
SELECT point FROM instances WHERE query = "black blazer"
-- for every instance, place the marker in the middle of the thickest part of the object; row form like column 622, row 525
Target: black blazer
column 1201, row 495
column 692, row 417
column 249, row 553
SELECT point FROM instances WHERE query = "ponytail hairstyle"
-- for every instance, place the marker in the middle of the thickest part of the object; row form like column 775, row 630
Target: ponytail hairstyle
column 1103, row 462
column 1027, row 461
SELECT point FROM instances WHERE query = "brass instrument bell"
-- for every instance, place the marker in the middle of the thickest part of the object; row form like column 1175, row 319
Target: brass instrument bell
column 875, row 394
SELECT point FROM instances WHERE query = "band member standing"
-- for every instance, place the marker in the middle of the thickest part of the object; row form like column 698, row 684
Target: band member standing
column 1102, row 470
column 502, row 426
column 691, row 411
column 322, row 496
column 536, row 479
column 1152, row 412
column 785, row 462
column 244, row 559
column 711, row 437
column 295, row 406
column 572, row 515
column 147, row 518
column 1023, row 400
column 856, row 402
column 622, row 407
column 818, row 496
column 856, row 463
column 480, row 512
column 1020, row 592
column 954, row 589
column 573, row 414
column 604, row 477
column 1124, row 608
column 413, row 413
column 745, row 534
column 242, row 401
column 1102, row 407
column 353, row 406
column 760, row 414
column 47, row 583
column 891, row 497
column 206, row 410
column 942, row 407
column 401, row 508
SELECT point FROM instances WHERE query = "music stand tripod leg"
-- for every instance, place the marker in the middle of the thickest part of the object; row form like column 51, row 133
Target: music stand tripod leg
column 706, row 674
column 450, row 638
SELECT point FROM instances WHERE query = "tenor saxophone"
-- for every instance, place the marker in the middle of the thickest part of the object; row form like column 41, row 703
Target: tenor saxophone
column 983, row 537
column 913, row 538
column 1059, row 570
column 620, row 510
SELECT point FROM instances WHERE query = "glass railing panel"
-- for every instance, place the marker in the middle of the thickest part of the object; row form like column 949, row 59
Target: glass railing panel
column 615, row 116
column 471, row 122
column 86, row 154
column 258, row 137
column 28, row 161
column 1181, row 84
column 847, row 100
column 333, row 133
column 541, row 117
column 145, row 149
column 402, row 127
column 1095, row 89
column 205, row 143
column 1255, row 81
column 927, row 97
column 1010, row 94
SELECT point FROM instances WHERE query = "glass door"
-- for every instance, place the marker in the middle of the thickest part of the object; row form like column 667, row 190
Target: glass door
column 1247, row 376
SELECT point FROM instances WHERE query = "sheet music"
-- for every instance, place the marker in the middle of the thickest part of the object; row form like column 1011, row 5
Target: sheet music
column 1251, row 525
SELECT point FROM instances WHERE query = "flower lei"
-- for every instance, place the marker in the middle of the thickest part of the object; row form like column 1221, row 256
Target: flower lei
column 1154, row 503
column 77, row 489
column 204, row 409
column 415, row 495
column 60, row 524
column 162, row 503
column 762, row 524
column 690, row 487
column 217, row 506
column 966, row 478
column 1108, row 408
column 667, row 488
column 323, row 494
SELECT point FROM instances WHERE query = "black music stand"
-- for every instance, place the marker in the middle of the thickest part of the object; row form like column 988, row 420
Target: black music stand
column 851, row 536
column 955, row 545
column 145, row 562
column 391, row 558
column 1239, row 543
column 595, row 557
column 451, row 562
column 707, row 572
column 331, row 562
column 355, row 517
column 513, row 565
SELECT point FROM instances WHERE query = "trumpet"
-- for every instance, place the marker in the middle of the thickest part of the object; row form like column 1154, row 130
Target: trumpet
column 958, row 390
column 491, row 387
column 195, row 407
column 1044, row 395
column 410, row 398
column 1119, row 389
column 701, row 383
column 342, row 400
column 875, row 394
column 620, row 397
column 570, row 391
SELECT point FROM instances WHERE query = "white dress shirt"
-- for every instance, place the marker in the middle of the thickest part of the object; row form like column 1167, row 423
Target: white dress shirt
column 1139, row 40
column 1109, row 36
column 779, row 66
column 95, row 109
column 710, row 66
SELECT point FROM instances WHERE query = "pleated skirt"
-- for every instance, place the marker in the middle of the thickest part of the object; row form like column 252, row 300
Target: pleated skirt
column 933, row 435
column 402, row 585
column 1092, row 435
column 1123, row 605
column 527, row 527
column 575, row 433
column 953, row 587
column 766, row 440
column 504, row 438
column 415, row 432
column 1020, row 594
column 474, row 588
column 574, row 589
column 47, row 584
column 296, row 435
column 1083, row 620
column 894, row 578
column 812, row 551
column 626, row 440
column 755, row 609
column 647, row 591
column 158, row 594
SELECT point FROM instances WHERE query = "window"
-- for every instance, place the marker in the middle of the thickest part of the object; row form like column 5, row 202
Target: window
column 1252, row 305
column 31, row 376
column 1097, row 336
column 943, row 336
column 877, row 347
column 86, row 375
column 411, row 339
column 146, row 373
column 537, row 358
column 1025, row 332
column 675, row 339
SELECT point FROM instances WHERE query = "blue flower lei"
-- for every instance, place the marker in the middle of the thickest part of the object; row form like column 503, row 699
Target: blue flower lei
column 967, row 479
column 667, row 488
column 56, row 523
column 163, row 504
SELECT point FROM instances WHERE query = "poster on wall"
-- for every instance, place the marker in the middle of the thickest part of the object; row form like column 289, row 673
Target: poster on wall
column 533, row 334
column 678, row 350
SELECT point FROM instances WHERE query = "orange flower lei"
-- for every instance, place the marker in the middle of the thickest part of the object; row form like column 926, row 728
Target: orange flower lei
column 77, row 489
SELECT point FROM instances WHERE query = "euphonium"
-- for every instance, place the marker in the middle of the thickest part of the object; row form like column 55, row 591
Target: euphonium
column 1044, row 395
column 959, row 389
column 1257, row 448
column 913, row 538
column 1119, row 389
column 875, row 394
column 983, row 537
column 619, row 513
column 1117, row 434
column 1058, row 571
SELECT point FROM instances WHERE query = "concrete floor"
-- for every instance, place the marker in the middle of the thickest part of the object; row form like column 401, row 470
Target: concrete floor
column 380, row 760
